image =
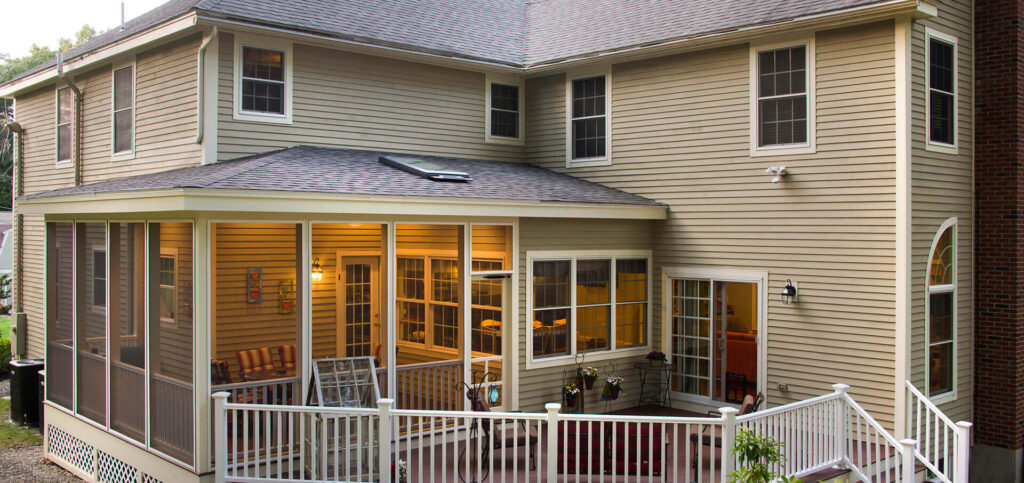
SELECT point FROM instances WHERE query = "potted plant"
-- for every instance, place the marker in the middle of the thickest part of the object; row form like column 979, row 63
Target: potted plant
column 571, row 393
column 656, row 359
column 757, row 455
column 612, row 387
column 589, row 376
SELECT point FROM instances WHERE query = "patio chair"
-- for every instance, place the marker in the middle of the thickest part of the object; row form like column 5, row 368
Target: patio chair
column 219, row 372
column 750, row 405
column 254, row 360
column 287, row 355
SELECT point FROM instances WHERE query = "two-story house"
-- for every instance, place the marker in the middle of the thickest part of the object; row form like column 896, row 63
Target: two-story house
column 776, row 195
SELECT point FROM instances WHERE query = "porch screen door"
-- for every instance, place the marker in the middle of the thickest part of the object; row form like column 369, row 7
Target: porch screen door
column 359, row 301
column 489, row 325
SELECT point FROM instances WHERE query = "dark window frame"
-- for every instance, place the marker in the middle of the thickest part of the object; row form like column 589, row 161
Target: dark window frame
column 267, row 82
column 588, row 112
column 781, row 85
column 64, row 121
column 942, row 86
column 496, row 110
column 123, row 110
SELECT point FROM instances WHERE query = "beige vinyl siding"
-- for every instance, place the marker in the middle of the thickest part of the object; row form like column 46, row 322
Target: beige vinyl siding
column 540, row 386
column 33, row 263
column 358, row 101
column 680, row 128
column 942, row 187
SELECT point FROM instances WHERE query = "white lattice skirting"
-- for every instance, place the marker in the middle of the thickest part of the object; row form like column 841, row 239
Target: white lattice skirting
column 90, row 463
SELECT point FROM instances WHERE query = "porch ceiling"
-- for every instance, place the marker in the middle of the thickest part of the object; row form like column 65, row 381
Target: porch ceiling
column 306, row 179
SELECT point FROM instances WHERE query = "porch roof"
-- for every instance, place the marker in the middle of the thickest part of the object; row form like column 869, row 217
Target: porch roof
column 305, row 174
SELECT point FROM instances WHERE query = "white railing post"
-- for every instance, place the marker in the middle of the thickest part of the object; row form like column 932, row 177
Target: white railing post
column 384, row 435
column 220, row 436
column 552, row 449
column 961, row 469
column 728, row 437
column 908, row 463
column 840, row 427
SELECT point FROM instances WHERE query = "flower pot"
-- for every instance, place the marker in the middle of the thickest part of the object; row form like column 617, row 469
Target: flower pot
column 657, row 362
column 570, row 401
column 588, row 383
column 614, row 392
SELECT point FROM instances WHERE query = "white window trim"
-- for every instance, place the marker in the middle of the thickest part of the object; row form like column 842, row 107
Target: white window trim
column 427, row 301
column 269, row 44
column 930, row 145
column 573, row 255
column 605, row 160
column 130, row 154
column 170, row 252
column 928, row 290
column 490, row 79
column 809, row 147
column 62, row 163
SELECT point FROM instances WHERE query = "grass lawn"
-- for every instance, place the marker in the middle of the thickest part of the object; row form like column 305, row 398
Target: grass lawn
column 13, row 435
column 5, row 326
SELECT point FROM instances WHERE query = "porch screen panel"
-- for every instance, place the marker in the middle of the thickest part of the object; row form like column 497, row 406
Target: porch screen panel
column 171, row 340
column 91, row 317
column 491, row 248
column 551, row 307
column 127, row 329
column 630, row 302
column 60, row 299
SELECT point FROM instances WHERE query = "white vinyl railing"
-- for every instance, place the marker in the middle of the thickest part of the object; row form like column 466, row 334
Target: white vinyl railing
column 944, row 446
column 263, row 443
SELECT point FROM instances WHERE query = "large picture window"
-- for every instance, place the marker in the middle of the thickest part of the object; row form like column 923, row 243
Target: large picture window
column 588, row 304
column 941, row 90
column 942, row 312
column 428, row 301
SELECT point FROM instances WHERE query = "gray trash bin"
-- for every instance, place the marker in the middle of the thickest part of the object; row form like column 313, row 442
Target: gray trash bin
column 25, row 391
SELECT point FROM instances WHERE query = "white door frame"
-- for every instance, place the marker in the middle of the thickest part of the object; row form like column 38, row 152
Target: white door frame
column 716, row 275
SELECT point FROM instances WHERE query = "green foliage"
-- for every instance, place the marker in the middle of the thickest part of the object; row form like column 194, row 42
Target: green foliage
column 12, row 435
column 757, row 454
column 5, row 293
column 5, row 356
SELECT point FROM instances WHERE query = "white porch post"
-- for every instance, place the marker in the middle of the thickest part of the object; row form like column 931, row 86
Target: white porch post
column 908, row 460
column 384, row 433
column 392, row 341
column 304, row 284
column 220, row 436
column 552, row 449
column 963, row 452
column 201, row 334
column 728, row 436
column 840, row 424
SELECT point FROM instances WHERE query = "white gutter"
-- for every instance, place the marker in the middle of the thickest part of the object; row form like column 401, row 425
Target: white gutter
column 258, row 201
column 202, row 83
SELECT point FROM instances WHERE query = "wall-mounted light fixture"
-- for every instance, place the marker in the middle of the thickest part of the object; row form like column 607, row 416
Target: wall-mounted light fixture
column 789, row 293
column 317, row 274
column 777, row 171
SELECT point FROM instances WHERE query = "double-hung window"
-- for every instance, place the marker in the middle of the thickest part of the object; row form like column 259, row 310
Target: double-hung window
column 99, row 278
column 124, row 110
column 941, row 91
column 942, row 312
column 588, row 126
column 504, row 112
column 263, row 80
column 588, row 304
column 64, row 114
column 428, row 301
column 782, row 99
column 168, row 287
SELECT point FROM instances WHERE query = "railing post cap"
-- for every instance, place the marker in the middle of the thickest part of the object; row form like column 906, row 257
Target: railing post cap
column 908, row 442
column 964, row 424
column 553, row 407
column 221, row 395
column 841, row 388
column 728, row 411
column 385, row 401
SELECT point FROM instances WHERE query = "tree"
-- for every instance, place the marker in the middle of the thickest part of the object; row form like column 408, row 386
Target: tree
column 11, row 67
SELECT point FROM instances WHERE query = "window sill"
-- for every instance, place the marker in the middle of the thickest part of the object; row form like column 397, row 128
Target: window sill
column 943, row 398
column 63, row 164
column 561, row 361
column 585, row 162
column 263, row 118
column 940, row 148
column 504, row 140
column 783, row 150
column 125, row 156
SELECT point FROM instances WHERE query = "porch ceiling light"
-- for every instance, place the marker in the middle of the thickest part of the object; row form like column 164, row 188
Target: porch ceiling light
column 789, row 293
column 317, row 274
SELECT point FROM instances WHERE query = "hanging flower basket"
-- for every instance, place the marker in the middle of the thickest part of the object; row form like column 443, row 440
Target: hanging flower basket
column 571, row 393
column 612, row 388
column 589, row 376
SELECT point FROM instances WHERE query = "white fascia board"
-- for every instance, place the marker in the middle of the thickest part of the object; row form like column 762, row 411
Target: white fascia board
column 198, row 200
column 162, row 32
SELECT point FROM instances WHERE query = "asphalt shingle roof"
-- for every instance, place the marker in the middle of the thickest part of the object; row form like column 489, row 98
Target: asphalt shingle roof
column 512, row 32
column 348, row 171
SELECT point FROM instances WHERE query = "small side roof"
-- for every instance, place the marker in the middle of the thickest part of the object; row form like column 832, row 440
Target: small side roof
column 311, row 169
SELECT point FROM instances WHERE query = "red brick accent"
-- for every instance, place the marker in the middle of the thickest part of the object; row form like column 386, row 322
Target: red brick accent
column 999, row 214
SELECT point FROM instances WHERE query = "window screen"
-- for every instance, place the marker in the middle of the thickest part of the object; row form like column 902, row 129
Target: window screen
column 64, row 112
column 588, row 118
column 941, row 97
column 262, row 80
column 505, row 110
column 782, row 96
column 123, row 109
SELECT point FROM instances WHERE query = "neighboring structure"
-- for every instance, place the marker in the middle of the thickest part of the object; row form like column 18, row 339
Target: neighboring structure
column 999, row 179
column 179, row 179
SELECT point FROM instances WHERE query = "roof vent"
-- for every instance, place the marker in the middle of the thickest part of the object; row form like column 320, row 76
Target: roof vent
column 424, row 169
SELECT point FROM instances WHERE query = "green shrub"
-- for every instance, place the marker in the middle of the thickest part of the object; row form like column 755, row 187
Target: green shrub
column 5, row 355
column 756, row 455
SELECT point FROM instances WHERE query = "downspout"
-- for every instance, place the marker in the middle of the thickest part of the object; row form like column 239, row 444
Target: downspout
column 16, row 191
column 200, row 128
column 76, row 133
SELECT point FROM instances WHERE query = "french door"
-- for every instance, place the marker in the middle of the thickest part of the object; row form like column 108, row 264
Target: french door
column 359, row 305
column 713, row 339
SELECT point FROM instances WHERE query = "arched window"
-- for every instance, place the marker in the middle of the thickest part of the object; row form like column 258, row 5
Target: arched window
column 941, row 311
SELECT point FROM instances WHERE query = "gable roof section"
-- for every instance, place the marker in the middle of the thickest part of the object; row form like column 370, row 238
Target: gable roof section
column 514, row 33
column 310, row 169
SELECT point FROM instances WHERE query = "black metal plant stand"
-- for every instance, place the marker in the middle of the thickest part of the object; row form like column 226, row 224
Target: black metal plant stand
column 474, row 391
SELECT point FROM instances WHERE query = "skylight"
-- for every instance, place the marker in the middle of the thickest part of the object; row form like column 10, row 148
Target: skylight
column 424, row 169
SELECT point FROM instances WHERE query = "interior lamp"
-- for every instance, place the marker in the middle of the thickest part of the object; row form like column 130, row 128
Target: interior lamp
column 789, row 293
column 317, row 274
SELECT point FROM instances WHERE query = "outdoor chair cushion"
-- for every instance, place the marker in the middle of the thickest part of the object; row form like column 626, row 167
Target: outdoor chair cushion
column 254, row 360
column 287, row 355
